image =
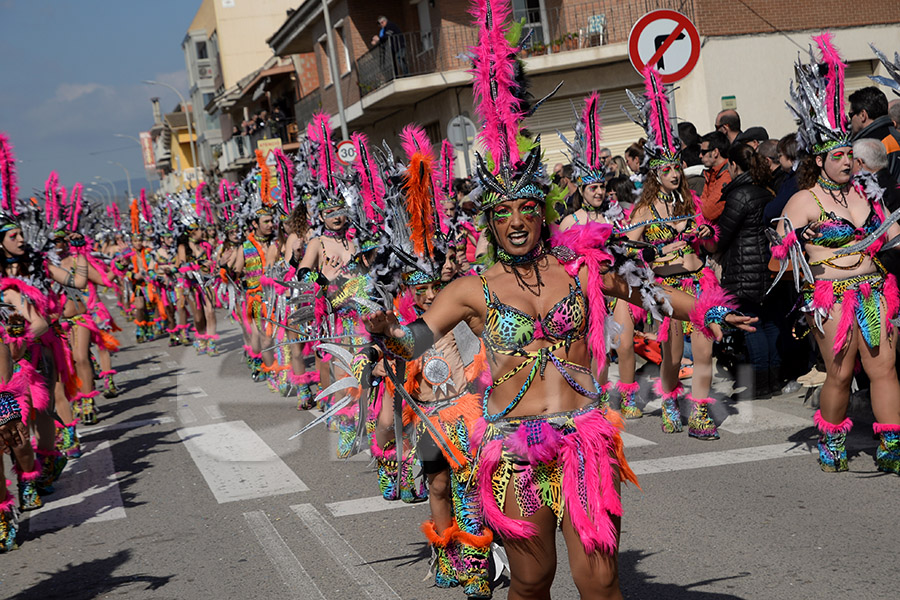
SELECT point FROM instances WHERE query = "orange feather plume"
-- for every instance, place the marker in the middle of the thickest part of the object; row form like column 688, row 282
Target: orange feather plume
column 419, row 193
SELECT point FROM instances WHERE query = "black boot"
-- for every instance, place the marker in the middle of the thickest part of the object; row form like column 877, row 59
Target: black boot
column 761, row 385
column 776, row 383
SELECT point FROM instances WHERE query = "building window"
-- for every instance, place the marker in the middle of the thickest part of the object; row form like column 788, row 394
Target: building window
column 530, row 10
column 342, row 49
column 201, row 50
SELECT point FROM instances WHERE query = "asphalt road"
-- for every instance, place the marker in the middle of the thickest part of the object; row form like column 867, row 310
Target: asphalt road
column 190, row 489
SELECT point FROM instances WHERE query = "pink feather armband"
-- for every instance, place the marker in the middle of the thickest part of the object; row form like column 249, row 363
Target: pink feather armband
column 782, row 250
column 712, row 306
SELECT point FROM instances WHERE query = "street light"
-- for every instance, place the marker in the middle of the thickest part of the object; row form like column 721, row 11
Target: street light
column 190, row 128
column 127, row 177
column 106, row 181
column 141, row 146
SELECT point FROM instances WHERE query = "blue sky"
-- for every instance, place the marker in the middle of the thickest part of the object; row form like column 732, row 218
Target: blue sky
column 71, row 76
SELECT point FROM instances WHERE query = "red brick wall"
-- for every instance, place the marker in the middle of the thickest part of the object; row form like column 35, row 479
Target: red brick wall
column 307, row 73
column 720, row 17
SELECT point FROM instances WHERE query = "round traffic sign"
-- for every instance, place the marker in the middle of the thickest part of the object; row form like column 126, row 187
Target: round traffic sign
column 666, row 39
column 346, row 153
column 461, row 133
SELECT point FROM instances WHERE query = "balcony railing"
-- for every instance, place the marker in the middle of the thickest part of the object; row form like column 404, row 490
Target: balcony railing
column 307, row 107
column 570, row 27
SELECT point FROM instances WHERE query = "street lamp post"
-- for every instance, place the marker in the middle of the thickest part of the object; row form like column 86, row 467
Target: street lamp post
column 127, row 177
column 105, row 181
column 190, row 127
column 141, row 146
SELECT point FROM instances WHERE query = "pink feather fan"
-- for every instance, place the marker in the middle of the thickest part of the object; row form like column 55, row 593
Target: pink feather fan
column 75, row 205
column 145, row 206
column 284, row 167
column 51, row 202
column 493, row 73
column 371, row 185
column 9, row 189
column 834, row 86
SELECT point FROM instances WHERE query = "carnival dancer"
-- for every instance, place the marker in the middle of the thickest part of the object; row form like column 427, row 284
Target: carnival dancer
column 850, row 300
column 194, row 267
column 166, row 257
column 667, row 215
column 550, row 450
column 258, row 250
column 598, row 206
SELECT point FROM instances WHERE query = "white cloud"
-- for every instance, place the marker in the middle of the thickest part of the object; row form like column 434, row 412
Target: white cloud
column 67, row 92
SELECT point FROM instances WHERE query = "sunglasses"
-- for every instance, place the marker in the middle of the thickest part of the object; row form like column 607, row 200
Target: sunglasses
column 707, row 151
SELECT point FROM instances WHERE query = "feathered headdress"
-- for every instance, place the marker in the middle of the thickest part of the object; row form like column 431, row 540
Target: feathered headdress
column 324, row 162
column 9, row 190
column 663, row 146
column 499, row 111
column 893, row 69
column 817, row 101
column 283, row 194
column 584, row 149
column 371, row 186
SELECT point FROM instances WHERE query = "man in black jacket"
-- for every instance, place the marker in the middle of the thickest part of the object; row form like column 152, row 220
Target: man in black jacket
column 869, row 119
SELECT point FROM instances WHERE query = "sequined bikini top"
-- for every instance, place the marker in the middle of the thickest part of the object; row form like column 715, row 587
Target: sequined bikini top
column 838, row 232
column 508, row 330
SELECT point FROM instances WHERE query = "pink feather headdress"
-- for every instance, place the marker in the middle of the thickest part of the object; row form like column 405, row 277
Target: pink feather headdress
column 75, row 206
column 817, row 101
column 51, row 198
column 371, row 185
column 9, row 189
column 324, row 163
column 494, row 72
column 284, row 170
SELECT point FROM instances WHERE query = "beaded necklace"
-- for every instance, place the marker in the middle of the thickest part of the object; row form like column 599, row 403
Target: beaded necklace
column 530, row 259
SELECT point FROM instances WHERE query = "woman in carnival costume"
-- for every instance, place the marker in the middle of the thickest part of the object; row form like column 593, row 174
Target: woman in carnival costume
column 599, row 206
column 849, row 299
column 550, row 451
column 667, row 215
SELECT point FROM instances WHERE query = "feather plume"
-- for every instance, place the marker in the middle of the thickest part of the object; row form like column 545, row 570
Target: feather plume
column 135, row 216
column 76, row 205
column 319, row 132
column 264, row 179
column 9, row 189
column 371, row 184
column 284, row 169
column 494, row 73
column 444, row 182
column 658, row 116
column 50, row 200
column 834, row 81
column 590, row 119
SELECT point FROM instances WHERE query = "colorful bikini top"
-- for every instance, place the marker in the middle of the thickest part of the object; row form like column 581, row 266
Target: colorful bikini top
column 659, row 232
column 507, row 330
column 839, row 232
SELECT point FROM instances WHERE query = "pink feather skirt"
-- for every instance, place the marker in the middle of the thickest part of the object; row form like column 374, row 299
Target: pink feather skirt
column 570, row 462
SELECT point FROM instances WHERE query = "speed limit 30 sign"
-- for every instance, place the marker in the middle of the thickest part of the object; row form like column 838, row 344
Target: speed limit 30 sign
column 666, row 39
column 346, row 153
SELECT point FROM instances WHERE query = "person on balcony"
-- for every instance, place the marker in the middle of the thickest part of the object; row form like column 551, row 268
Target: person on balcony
column 393, row 47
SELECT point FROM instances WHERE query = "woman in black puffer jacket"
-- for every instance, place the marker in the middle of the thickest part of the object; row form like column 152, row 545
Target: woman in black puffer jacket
column 745, row 250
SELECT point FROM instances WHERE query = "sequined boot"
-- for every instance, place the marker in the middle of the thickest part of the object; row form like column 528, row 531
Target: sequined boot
column 173, row 337
column 9, row 523
column 29, row 499
column 474, row 551
column 256, row 373
column 442, row 551
column 52, row 464
column 88, row 412
column 671, row 417
column 628, row 405
column 832, row 443
column 109, row 386
column 200, row 345
column 67, row 440
column 212, row 345
column 346, row 432
column 887, row 457
column 700, row 424
column 387, row 467
column 185, row 336
column 305, row 399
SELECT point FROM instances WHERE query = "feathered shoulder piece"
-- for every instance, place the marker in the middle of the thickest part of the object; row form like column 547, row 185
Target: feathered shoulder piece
column 9, row 189
column 663, row 146
column 817, row 101
column 584, row 149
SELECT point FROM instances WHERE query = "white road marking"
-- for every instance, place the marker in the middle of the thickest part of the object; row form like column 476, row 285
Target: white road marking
column 154, row 368
column 85, row 431
column 186, row 415
column 717, row 459
column 360, row 571
column 214, row 412
column 89, row 493
column 171, row 364
column 237, row 464
column 196, row 392
column 633, row 441
column 752, row 417
column 360, row 506
column 295, row 577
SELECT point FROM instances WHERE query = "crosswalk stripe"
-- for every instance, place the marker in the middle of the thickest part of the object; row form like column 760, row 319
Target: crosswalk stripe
column 371, row 583
column 295, row 577
column 359, row 506
column 237, row 464
column 752, row 417
column 90, row 430
column 717, row 459
column 88, row 492
column 633, row 441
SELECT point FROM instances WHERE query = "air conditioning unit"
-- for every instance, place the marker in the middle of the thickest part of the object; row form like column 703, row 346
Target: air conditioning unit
column 205, row 72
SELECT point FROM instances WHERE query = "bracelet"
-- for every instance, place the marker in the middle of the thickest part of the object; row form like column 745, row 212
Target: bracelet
column 716, row 314
column 9, row 408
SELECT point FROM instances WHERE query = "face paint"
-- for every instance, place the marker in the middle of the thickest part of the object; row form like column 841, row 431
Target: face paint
column 666, row 170
column 838, row 155
column 529, row 209
column 500, row 214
